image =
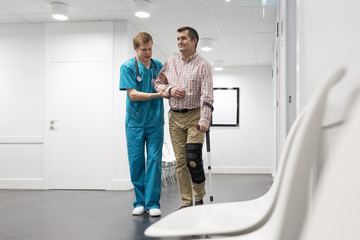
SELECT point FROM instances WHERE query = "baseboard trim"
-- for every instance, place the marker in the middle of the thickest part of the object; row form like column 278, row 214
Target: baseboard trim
column 21, row 139
column 118, row 184
column 38, row 183
column 32, row 183
column 239, row 170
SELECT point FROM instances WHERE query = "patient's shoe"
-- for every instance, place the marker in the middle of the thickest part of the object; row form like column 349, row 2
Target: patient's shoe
column 138, row 211
column 184, row 206
column 199, row 202
column 155, row 212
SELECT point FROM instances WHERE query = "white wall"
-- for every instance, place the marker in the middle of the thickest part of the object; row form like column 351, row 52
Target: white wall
column 248, row 148
column 328, row 37
column 291, row 110
column 21, row 62
column 21, row 105
column 285, row 71
column 23, row 160
column 123, row 50
column 282, row 87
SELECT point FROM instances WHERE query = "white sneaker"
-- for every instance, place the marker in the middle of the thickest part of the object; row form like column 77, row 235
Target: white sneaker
column 138, row 211
column 155, row 212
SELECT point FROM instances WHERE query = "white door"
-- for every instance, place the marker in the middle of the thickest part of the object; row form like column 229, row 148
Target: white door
column 77, row 125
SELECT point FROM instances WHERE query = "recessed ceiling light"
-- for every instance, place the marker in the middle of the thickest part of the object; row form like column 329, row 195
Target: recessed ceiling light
column 218, row 65
column 206, row 44
column 59, row 11
column 142, row 8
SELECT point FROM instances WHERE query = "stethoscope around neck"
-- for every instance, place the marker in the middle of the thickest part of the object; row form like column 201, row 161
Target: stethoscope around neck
column 138, row 78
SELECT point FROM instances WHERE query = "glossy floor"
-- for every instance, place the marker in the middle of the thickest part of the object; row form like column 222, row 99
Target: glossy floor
column 103, row 215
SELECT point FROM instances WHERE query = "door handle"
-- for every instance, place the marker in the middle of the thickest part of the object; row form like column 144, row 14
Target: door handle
column 52, row 124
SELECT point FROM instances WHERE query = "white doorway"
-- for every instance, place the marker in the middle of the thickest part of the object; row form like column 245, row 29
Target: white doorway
column 77, row 125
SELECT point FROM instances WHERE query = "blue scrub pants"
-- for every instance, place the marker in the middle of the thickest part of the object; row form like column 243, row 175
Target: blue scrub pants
column 146, row 179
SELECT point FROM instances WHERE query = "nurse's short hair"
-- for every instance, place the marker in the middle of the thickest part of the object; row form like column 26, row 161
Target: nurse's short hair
column 141, row 37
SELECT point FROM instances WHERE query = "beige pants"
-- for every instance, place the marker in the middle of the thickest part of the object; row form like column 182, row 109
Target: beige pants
column 183, row 130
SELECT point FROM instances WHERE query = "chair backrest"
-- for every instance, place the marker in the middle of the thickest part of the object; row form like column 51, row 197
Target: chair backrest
column 336, row 209
column 285, row 218
column 272, row 194
column 302, row 142
column 292, row 200
column 167, row 152
column 341, row 97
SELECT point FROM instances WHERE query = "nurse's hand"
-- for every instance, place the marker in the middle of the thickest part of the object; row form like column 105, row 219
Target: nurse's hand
column 178, row 93
column 163, row 94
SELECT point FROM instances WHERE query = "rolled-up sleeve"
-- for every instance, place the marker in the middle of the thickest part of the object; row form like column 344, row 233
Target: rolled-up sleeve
column 159, row 83
column 207, row 94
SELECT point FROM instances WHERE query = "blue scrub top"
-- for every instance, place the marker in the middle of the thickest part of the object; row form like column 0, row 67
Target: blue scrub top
column 148, row 113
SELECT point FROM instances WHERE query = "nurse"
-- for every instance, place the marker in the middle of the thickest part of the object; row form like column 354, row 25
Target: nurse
column 144, row 125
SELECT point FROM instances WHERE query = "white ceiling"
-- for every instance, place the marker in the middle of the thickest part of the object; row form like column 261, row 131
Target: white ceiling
column 242, row 37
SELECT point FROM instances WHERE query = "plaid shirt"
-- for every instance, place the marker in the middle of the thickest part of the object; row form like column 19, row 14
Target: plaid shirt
column 193, row 75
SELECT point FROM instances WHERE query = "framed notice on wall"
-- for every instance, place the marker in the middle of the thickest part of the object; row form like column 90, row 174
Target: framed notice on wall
column 226, row 107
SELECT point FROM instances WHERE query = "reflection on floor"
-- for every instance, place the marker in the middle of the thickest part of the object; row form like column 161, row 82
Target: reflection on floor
column 103, row 215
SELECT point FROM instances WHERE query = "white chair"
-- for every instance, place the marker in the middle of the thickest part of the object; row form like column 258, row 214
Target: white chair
column 168, row 164
column 336, row 209
column 287, row 197
column 249, row 213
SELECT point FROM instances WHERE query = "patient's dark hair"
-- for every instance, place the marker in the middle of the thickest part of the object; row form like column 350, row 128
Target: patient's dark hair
column 192, row 34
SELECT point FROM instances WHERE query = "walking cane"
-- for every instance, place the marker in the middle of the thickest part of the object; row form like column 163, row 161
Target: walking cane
column 208, row 150
column 208, row 157
column 209, row 161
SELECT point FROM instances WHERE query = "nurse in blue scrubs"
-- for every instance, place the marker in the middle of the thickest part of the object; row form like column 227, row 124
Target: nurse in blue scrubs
column 144, row 125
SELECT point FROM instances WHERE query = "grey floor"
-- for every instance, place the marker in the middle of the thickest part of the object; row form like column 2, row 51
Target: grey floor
column 103, row 215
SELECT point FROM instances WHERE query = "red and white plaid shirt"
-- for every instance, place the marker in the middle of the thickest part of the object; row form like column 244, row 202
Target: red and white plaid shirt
column 193, row 75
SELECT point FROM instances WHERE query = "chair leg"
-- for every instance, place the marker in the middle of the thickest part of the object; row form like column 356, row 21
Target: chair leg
column 163, row 174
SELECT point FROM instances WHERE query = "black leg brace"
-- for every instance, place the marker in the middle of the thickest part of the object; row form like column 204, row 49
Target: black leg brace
column 195, row 162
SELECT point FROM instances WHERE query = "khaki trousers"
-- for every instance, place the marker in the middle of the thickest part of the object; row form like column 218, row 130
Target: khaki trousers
column 182, row 127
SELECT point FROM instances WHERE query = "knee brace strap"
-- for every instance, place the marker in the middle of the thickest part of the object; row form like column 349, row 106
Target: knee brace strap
column 195, row 162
